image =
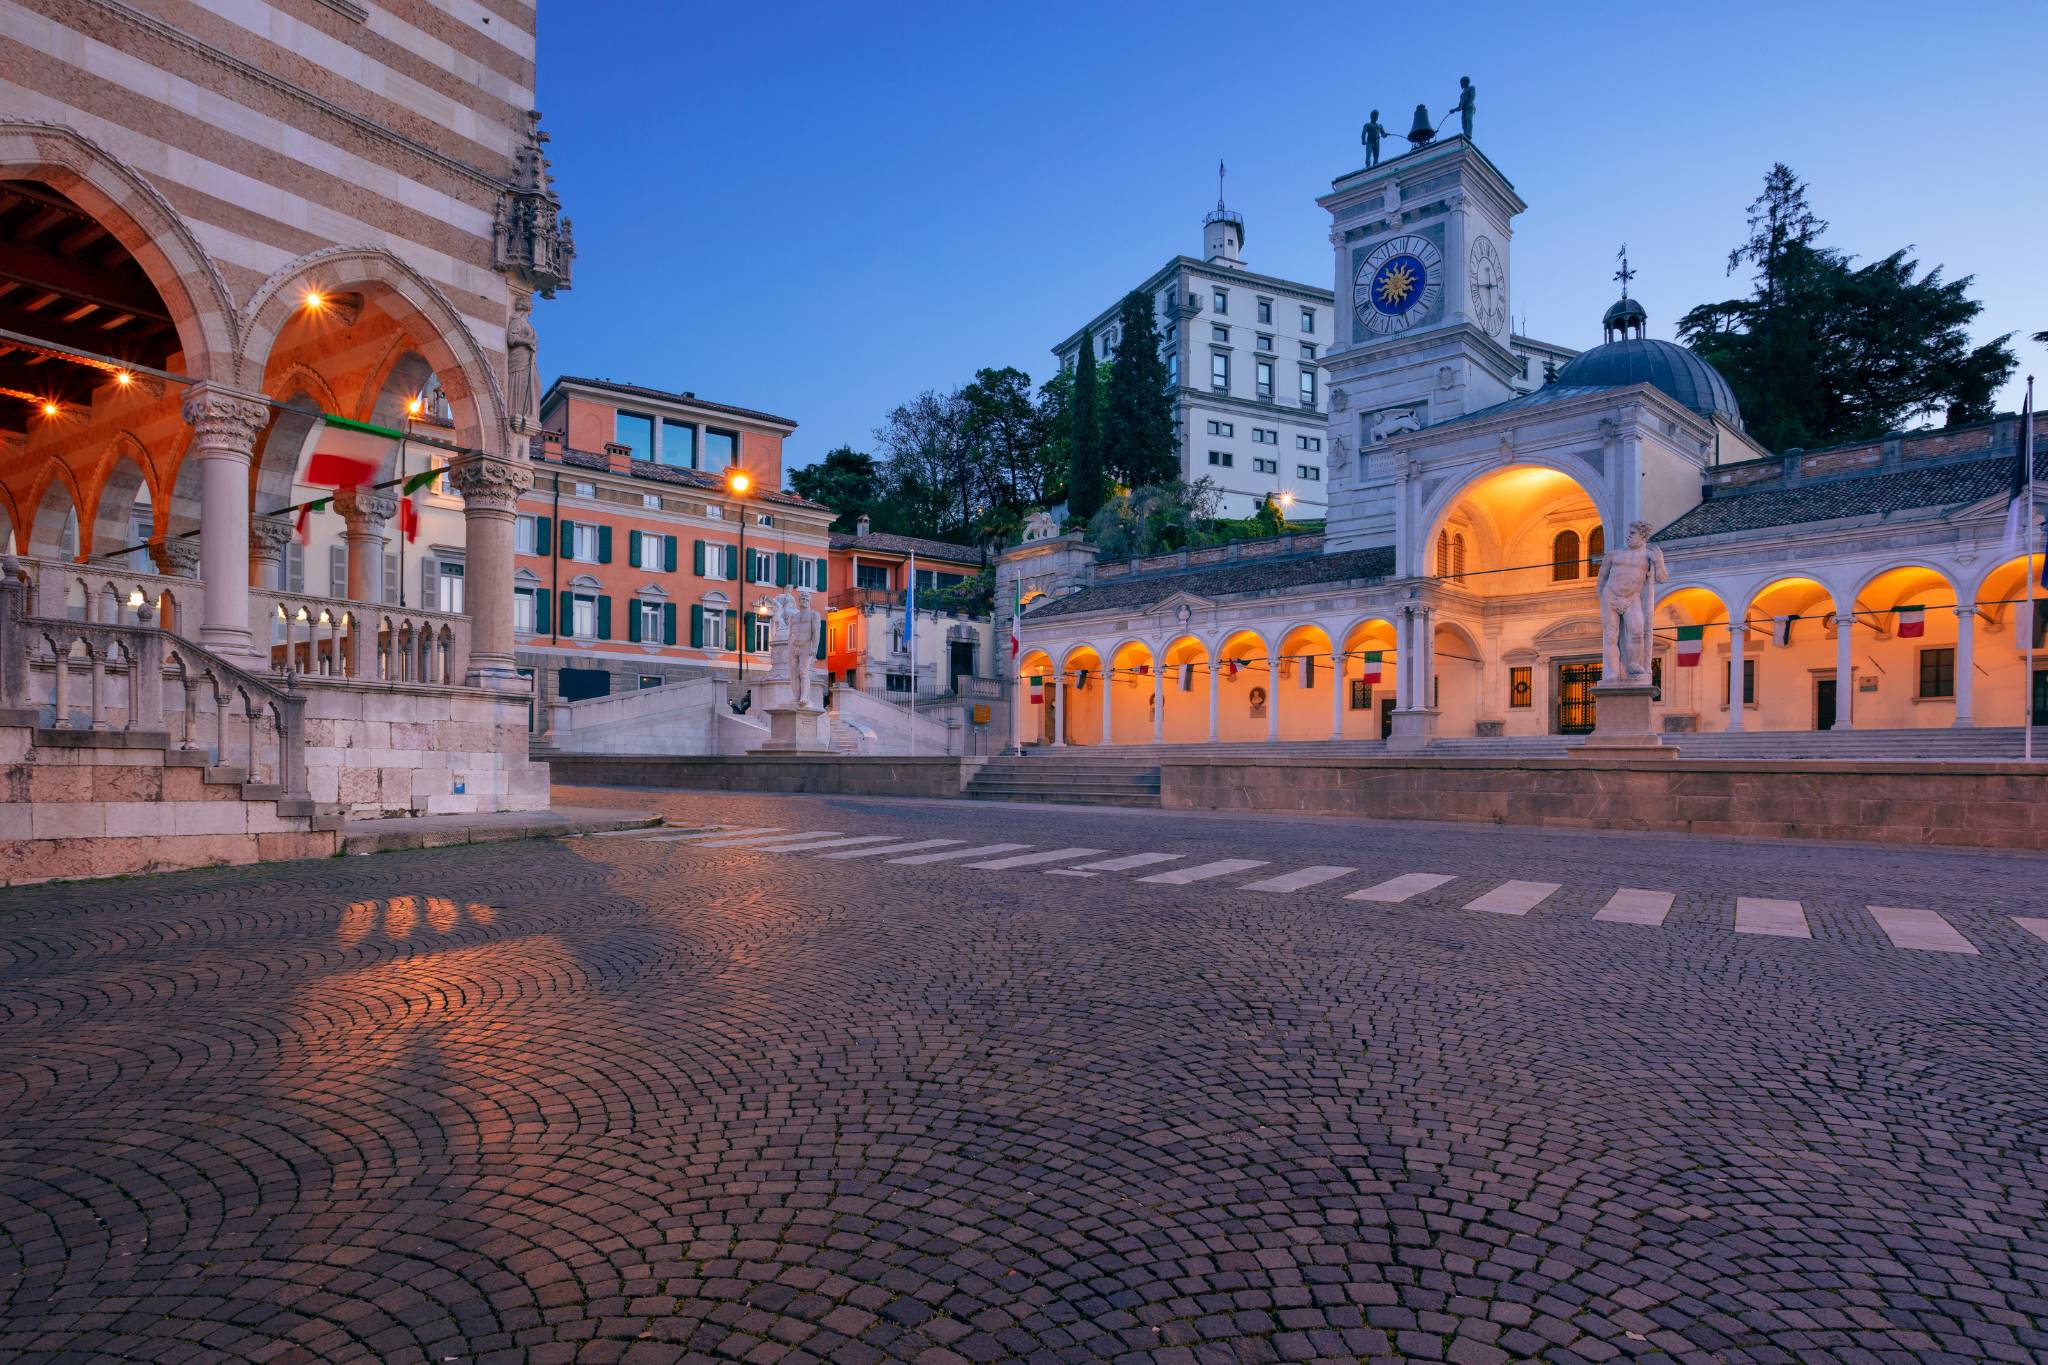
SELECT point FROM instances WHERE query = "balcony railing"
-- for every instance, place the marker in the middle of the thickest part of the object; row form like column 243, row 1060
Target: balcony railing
column 320, row 637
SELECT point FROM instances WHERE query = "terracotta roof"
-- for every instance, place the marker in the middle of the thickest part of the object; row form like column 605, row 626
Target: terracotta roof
column 666, row 396
column 1857, row 495
column 1233, row 579
column 884, row 543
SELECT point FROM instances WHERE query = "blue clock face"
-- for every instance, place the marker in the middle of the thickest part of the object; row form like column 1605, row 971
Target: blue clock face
column 1398, row 284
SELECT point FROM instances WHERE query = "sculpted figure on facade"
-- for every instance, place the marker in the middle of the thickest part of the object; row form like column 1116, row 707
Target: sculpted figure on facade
column 800, row 647
column 1040, row 526
column 1628, row 589
column 781, row 609
column 1372, row 135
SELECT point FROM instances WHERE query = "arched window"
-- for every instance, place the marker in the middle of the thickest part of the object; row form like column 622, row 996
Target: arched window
column 1564, row 557
column 1596, row 548
column 1458, row 555
column 1443, row 554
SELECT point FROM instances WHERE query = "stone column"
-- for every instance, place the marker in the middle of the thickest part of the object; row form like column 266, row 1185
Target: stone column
column 1158, row 701
column 1966, row 666
column 1337, row 685
column 365, row 515
column 1059, row 709
column 490, row 490
column 1736, row 632
column 267, row 539
column 224, row 425
column 1215, row 697
column 1108, row 706
column 1845, row 667
column 1404, row 658
column 1273, row 696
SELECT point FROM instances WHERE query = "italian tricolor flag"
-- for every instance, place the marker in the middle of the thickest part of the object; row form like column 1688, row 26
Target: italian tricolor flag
column 1372, row 665
column 1912, row 621
column 1691, row 640
column 1038, row 689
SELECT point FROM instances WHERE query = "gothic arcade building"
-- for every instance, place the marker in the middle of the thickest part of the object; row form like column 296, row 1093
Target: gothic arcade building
column 1451, row 602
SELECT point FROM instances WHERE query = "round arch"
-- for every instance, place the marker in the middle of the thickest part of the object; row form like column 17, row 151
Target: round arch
column 1242, row 680
column 1081, row 691
column 1131, row 678
column 1507, row 511
column 1034, row 697
column 301, row 394
column 121, row 484
column 123, row 202
column 10, row 523
column 1187, row 680
column 1367, row 681
column 56, row 531
column 467, row 377
column 1306, row 677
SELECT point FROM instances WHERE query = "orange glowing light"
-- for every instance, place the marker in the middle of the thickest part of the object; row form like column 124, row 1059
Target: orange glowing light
column 415, row 405
column 49, row 409
column 315, row 299
column 738, row 482
column 123, row 378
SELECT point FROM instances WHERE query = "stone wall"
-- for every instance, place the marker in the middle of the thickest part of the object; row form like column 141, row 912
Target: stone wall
column 831, row 775
column 373, row 749
column 1975, row 805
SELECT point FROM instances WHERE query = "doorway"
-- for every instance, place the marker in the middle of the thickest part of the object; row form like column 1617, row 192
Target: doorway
column 1386, row 717
column 2038, row 714
column 959, row 663
column 1824, row 699
column 1575, row 706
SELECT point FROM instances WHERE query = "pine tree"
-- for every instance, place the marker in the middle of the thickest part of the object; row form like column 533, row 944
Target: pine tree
column 1086, row 484
column 1138, row 443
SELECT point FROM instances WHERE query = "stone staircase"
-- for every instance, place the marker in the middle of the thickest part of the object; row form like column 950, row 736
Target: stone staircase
column 1109, row 778
column 1984, row 745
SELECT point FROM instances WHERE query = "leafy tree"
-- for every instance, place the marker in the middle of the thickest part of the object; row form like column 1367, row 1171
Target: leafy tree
column 1006, row 437
column 1138, row 444
column 1086, row 480
column 1155, row 519
column 1823, row 351
column 933, row 482
column 847, row 480
column 1269, row 519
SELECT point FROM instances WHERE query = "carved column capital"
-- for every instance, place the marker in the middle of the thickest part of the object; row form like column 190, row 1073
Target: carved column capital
column 488, row 484
column 267, row 537
column 224, row 420
column 364, row 509
column 176, row 558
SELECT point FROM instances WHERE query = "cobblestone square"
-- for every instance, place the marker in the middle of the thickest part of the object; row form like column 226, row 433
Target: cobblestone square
column 865, row 1080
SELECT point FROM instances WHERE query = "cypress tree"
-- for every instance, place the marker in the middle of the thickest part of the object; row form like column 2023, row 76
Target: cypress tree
column 1086, row 485
column 1138, row 441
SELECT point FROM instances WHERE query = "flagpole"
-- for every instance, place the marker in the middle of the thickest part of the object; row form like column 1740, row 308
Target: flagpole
column 2033, row 597
column 910, row 643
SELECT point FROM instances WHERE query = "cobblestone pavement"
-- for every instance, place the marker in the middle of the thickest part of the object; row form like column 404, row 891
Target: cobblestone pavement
column 640, row 1098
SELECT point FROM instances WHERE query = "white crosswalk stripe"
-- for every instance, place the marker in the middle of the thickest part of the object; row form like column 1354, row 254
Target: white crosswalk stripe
column 1513, row 898
column 1129, row 861
column 757, row 840
column 813, row 845
column 1395, row 890
column 1762, row 915
column 1296, row 881
column 951, row 853
column 698, row 835
column 1222, row 867
column 1920, row 929
column 1631, row 906
column 891, row 848
column 1058, row 855
column 2037, row 927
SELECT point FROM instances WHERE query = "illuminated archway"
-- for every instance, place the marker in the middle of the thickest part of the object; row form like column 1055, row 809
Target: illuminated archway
column 1368, row 676
column 1906, row 649
column 1501, row 533
column 1244, row 688
column 1692, row 644
column 1187, row 681
column 1081, row 693
column 1789, row 653
column 1131, row 682
column 1458, row 668
column 2012, row 611
column 1035, row 684
column 1307, row 680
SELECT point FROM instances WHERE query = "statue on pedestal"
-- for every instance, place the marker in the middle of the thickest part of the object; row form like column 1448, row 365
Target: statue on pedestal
column 1370, row 135
column 1628, row 586
column 1468, row 102
column 799, row 646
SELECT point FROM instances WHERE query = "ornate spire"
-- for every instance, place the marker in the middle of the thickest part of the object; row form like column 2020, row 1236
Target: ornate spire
column 535, row 244
column 1626, row 315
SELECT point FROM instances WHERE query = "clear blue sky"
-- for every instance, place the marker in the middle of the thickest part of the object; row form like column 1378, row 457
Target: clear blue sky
column 821, row 209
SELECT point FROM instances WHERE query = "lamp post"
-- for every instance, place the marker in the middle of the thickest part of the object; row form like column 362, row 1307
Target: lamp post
column 737, row 483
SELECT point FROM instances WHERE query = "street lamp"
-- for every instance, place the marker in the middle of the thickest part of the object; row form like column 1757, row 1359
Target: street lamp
column 737, row 483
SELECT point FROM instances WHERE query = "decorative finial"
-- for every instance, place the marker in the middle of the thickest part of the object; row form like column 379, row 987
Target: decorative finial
column 1219, row 185
column 1624, row 274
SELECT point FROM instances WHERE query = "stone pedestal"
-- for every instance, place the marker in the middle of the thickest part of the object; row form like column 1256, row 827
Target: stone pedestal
column 1621, row 727
column 797, row 730
column 1413, row 730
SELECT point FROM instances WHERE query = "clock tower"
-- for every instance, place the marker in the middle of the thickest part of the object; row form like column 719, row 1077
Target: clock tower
column 1421, row 244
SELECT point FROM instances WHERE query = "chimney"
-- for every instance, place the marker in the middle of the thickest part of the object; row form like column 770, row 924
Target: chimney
column 861, row 526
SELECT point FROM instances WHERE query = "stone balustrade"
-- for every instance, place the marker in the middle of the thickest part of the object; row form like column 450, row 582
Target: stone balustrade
column 321, row 637
column 104, row 592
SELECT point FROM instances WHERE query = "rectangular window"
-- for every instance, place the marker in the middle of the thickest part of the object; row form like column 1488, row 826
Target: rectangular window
column 522, row 610
column 1361, row 695
column 899, row 682
column 1309, row 472
column 1220, row 300
column 583, row 617
column 650, row 623
column 648, row 680
column 928, row 580
column 1308, row 350
column 1308, row 388
column 1521, row 688
column 1308, row 443
column 635, row 431
column 1219, row 371
column 1308, row 321
column 761, row 566
column 583, row 542
column 1748, row 683
column 1222, row 428
column 1172, row 367
column 678, row 443
column 721, row 449
column 448, row 588
column 585, row 490
column 714, row 627
column 524, row 535
column 651, row 501
column 1265, row 342
column 872, row 576
column 1266, row 311
column 1937, row 673
column 1219, row 457
column 1221, row 334
column 1265, row 466
column 1265, row 385
column 1265, row 436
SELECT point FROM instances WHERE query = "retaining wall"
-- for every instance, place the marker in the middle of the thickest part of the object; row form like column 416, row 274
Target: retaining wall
column 829, row 774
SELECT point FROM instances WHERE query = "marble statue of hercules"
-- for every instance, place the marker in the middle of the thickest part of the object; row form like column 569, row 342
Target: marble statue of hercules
column 804, row 625
column 1628, row 582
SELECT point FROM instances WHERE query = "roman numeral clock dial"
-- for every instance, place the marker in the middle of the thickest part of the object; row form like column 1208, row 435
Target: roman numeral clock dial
column 1489, row 285
column 1398, row 284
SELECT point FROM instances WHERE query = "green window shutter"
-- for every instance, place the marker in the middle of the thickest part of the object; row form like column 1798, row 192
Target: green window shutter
column 568, row 538
column 632, row 549
column 696, row 623
column 668, row 623
column 821, row 642
column 668, row 557
column 732, row 566
column 543, row 530
column 821, row 574
column 697, row 552
column 568, row 610
column 732, row 629
column 633, row 623
column 781, row 570
column 604, row 544
column 604, row 618
column 543, row 603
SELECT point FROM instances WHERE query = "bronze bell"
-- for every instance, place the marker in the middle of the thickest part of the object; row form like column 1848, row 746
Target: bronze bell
column 1421, row 133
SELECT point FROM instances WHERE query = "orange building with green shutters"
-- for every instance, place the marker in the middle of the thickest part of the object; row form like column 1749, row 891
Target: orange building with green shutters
column 630, row 570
